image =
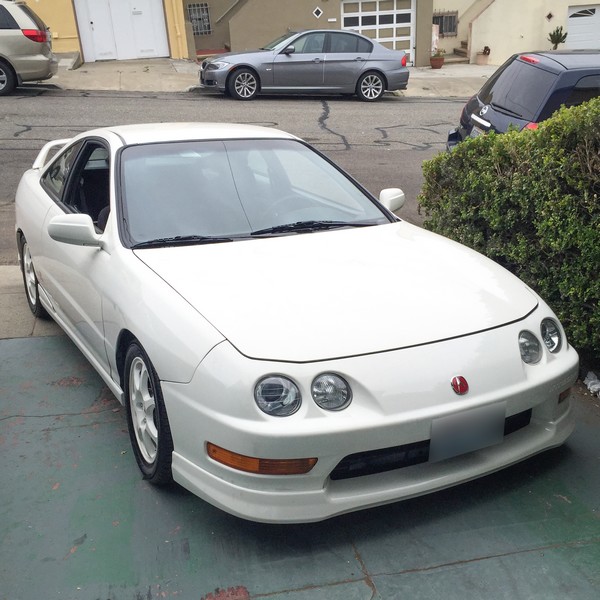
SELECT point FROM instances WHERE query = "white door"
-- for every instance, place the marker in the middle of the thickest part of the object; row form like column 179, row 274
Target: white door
column 390, row 22
column 121, row 29
column 583, row 27
column 96, row 30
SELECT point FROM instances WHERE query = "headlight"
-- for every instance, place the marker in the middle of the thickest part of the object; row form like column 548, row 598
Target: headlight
column 529, row 345
column 214, row 66
column 551, row 335
column 277, row 396
column 331, row 392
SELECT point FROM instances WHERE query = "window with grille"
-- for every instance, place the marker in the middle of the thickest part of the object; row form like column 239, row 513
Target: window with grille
column 448, row 22
column 199, row 17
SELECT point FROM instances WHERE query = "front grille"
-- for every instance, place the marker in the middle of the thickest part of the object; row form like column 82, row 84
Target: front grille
column 407, row 455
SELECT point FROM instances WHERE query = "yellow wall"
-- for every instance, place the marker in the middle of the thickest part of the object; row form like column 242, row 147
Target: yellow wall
column 59, row 15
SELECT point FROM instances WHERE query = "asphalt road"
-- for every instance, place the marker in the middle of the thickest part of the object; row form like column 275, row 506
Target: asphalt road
column 382, row 144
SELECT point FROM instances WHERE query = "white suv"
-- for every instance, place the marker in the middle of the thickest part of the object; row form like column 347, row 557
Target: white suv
column 25, row 47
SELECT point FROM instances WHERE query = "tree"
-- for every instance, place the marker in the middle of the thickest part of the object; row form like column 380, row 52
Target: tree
column 557, row 37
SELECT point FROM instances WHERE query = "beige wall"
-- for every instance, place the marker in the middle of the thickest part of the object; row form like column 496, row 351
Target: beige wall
column 251, row 26
column 506, row 26
column 59, row 15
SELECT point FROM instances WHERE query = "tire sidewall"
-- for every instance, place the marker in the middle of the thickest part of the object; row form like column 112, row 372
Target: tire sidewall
column 11, row 80
column 231, row 84
column 159, row 471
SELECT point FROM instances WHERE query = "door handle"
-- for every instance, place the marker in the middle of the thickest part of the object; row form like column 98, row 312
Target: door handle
column 316, row 60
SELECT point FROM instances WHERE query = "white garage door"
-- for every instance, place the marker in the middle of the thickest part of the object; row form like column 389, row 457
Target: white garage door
column 390, row 22
column 121, row 29
column 583, row 27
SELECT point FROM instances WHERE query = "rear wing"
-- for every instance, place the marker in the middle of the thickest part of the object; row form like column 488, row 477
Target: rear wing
column 43, row 156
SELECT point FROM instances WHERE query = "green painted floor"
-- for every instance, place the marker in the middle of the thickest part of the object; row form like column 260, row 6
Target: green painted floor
column 78, row 522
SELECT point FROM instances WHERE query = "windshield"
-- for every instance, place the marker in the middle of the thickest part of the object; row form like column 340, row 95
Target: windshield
column 195, row 192
column 519, row 89
column 279, row 41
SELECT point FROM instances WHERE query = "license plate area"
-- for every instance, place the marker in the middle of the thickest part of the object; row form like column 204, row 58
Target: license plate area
column 467, row 431
column 476, row 132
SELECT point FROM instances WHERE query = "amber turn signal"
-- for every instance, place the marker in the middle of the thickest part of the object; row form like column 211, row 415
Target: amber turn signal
column 261, row 466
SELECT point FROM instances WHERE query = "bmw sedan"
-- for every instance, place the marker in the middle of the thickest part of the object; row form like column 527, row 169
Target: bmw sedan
column 316, row 62
column 285, row 346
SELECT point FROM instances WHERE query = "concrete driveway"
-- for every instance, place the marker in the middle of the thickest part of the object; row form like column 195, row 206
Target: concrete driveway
column 78, row 522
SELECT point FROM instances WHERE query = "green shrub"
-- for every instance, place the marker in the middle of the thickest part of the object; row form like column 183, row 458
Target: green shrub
column 530, row 200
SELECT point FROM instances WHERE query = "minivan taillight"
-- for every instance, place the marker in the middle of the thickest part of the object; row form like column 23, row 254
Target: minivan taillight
column 530, row 59
column 404, row 60
column 36, row 35
column 531, row 126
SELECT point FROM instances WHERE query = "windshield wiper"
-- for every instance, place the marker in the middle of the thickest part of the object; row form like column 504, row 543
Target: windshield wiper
column 506, row 110
column 307, row 226
column 181, row 240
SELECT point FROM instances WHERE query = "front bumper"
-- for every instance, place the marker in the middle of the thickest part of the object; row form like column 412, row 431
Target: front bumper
column 398, row 396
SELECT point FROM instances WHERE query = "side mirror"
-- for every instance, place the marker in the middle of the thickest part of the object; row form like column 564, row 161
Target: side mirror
column 289, row 50
column 392, row 198
column 76, row 229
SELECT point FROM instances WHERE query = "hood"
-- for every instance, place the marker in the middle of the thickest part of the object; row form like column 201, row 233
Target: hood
column 227, row 55
column 325, row 295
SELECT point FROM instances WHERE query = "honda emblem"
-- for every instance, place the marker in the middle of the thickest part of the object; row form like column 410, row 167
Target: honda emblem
column 459, row 385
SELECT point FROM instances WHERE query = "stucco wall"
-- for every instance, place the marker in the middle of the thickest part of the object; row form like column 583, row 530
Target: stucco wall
column 251, row 27
column 60, row 17
column 506, row 26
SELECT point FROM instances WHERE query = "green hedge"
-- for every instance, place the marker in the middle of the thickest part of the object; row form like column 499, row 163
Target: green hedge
column 530, row 200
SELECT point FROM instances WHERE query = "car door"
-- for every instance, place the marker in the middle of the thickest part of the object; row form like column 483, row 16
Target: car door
column 345, row 60
column 68, row 270
column 302, row 68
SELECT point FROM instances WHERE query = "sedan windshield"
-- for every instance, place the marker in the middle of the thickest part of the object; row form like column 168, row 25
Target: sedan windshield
column 218, row 191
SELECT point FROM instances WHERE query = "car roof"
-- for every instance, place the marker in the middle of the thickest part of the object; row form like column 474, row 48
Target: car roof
column 145, row 133
column 568, row 59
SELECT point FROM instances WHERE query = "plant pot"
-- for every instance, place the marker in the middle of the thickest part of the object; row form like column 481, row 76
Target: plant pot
column 481, row 58
column 436, row 62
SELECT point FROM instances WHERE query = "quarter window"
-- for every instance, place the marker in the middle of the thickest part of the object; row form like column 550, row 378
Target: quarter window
column 6, row 20
column 56, row 176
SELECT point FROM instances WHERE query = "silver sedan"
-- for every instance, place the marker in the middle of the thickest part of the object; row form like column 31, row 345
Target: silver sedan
column 320, row 61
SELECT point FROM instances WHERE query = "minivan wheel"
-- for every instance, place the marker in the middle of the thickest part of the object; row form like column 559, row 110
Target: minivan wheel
column 8, row 80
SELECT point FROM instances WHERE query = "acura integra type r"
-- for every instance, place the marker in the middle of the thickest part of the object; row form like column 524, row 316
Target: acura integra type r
column 320, row 61
column 285, row 346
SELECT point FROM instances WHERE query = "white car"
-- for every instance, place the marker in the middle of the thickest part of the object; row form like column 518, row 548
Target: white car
column 286, row 347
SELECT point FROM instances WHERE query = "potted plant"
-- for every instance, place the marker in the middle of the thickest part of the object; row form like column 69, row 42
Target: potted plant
column 557, row 37
column 482, row 57
column 437, row 58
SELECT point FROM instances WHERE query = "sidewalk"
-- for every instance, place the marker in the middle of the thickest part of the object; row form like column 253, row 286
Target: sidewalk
column 168, row 75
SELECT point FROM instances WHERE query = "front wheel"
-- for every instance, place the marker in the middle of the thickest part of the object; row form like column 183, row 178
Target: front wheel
column 8, row 81
column 243, row 84
column 30, row 282
column 370, row 87
column 147, row 420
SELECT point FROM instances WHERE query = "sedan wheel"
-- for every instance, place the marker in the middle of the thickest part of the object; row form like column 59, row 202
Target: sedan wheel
column 370, row 87
column 30, row 281
column 149, row 429
column 8, row 81
column 243, row 85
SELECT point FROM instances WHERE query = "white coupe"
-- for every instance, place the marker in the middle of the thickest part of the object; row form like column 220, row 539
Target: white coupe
column 285, row 346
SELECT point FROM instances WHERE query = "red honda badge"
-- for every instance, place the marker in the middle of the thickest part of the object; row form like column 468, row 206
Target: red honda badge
column 460, row 385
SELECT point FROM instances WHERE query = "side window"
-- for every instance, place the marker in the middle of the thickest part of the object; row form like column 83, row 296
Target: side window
column 6, row 20
column 586, row 88
column 310, row 44
column 90, row 191
column 346, row 43
column 56, row 176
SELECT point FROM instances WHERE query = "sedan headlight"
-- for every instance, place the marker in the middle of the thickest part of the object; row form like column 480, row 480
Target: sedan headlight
column 214, row 66
column 551, row 335
column 529, row 345
column 331, row 392
column 277, row 396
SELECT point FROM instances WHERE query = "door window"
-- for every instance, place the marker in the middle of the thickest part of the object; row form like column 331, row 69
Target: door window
column 55, row 179
column 310, row 44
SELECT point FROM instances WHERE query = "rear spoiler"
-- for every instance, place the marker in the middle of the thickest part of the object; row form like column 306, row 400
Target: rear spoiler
column 42, row 157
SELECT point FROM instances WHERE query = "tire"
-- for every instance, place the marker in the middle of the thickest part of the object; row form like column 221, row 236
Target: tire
column 149, row 429
column 243, row 84
column 30, row 281
column 8, row 80
column 370, row 87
